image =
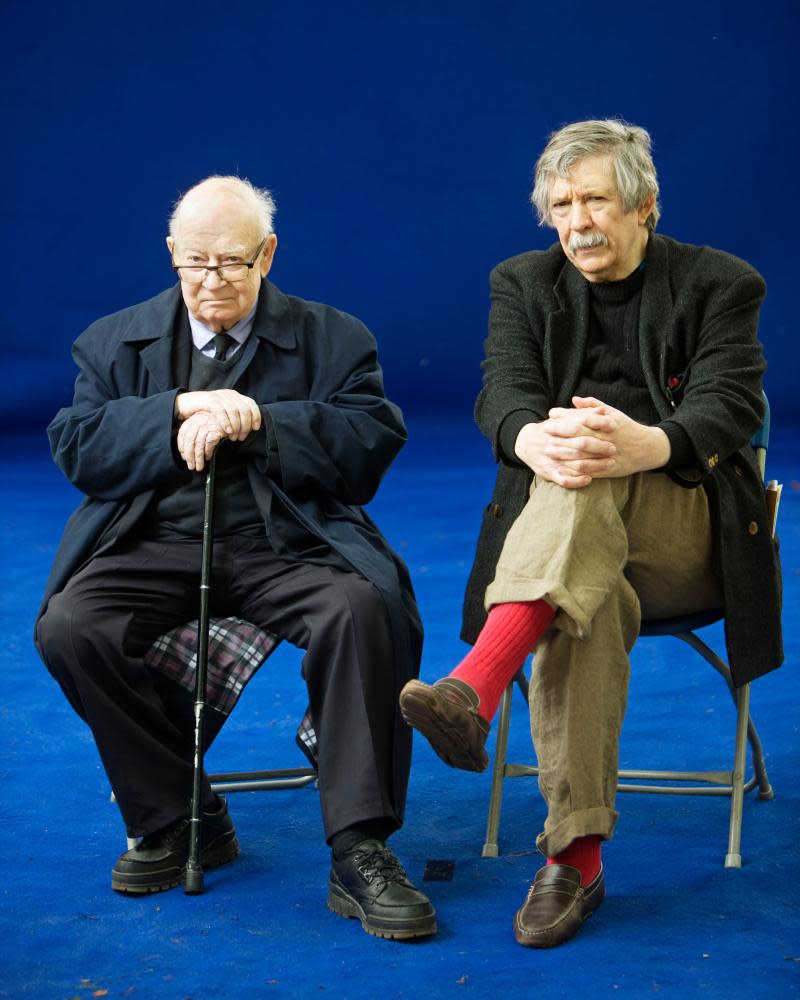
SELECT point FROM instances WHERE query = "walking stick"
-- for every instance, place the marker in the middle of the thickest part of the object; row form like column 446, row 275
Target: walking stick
column 193, row 873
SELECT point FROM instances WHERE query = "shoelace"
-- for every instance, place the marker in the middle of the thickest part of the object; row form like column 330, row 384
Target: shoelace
column 380, row 864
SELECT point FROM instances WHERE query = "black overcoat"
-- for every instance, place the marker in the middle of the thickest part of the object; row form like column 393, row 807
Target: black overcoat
column 330, row 436
column 703, row 364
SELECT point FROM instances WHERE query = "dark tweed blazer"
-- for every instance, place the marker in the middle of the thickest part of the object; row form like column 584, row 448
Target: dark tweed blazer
column 703, row 364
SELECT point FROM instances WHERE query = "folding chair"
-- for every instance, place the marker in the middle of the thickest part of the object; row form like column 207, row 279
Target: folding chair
column 728, row 781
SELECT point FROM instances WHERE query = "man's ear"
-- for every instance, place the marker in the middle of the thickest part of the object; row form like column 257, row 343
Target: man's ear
column 170, row 245
column 268, row 254
column 647, row 207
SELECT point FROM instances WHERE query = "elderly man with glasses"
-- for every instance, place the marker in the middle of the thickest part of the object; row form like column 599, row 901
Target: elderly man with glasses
column 622, row 385
column 294, row 393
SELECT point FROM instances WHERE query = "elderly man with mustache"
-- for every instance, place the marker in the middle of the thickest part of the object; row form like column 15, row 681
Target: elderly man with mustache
column 622, row 384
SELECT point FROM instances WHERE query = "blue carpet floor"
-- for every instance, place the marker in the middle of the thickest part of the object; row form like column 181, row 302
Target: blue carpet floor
column 675, row 922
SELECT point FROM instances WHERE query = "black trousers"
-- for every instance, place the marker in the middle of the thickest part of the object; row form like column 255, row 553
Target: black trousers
column 94, row 634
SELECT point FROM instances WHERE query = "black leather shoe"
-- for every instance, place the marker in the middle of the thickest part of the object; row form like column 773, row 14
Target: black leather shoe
column 369, row 883
column 556, row 906
column 158, row 860
column 446, row 713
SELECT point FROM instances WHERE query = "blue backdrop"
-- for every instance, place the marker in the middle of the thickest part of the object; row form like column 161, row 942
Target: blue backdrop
column 398, row 139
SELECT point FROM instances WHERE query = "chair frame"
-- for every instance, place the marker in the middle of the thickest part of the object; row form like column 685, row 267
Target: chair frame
column 729, row 782
column 269, row 780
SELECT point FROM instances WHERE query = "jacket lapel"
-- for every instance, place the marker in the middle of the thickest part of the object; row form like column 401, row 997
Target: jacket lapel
column 152, row 326
column 655, row 322
column 273, row 323
column 273, row 320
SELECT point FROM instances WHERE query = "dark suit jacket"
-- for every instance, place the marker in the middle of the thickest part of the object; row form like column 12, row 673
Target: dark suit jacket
column 703, row 364
column 330, row 435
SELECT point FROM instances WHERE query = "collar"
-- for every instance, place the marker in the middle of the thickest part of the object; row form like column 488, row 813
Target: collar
column 608, row 292
column 203, row 338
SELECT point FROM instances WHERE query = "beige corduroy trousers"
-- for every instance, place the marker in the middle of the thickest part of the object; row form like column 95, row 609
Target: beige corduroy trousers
column 604, row 556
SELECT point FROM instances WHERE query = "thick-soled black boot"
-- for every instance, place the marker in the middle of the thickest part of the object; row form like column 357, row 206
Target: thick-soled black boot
column 158, row 860
column 369, row 883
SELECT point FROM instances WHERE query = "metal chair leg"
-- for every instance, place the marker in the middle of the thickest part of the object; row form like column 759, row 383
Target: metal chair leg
column 760, row 776
column 733, row 859
column 765, row 791
column 490, row 847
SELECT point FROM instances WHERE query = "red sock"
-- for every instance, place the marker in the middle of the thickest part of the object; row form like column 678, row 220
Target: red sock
column 510, row 633
column 584, row 854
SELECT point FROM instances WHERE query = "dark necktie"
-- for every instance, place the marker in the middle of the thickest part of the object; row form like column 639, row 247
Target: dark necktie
column 222, row 344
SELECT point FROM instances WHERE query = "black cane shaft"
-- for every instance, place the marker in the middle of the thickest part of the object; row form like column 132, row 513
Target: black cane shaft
column 193, row 875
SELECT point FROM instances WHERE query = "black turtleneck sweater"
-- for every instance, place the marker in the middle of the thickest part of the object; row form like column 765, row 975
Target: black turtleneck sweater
column 611, row 369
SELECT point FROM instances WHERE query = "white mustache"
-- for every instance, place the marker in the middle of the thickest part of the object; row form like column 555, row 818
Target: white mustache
column 582, row 241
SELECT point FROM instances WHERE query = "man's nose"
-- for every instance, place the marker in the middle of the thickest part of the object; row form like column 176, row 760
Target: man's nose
column 213, row 280
column 580, row 218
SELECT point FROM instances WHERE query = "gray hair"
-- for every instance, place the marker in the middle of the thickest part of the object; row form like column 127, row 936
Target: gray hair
column 629, row 147
column 263, row 203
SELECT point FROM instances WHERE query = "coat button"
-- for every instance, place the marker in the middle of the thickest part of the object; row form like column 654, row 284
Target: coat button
column 752, row 527
column 496, row 510
column 713, row 460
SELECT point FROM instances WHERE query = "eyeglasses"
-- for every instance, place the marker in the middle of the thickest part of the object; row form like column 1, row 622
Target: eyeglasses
column 193, row 274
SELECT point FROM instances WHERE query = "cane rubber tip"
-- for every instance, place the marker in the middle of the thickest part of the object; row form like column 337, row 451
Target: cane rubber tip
column 193, row 882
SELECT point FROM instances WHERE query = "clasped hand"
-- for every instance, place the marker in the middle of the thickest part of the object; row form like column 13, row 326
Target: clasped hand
column 210, row 416
column 592, row 441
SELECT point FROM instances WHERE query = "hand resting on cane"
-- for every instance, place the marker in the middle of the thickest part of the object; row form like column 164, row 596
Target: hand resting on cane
column 210, row 417
column 198, row 438
column 236, row 414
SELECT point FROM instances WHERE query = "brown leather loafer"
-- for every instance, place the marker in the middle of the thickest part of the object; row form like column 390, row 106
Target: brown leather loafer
column 556, row 906
column 446, row 713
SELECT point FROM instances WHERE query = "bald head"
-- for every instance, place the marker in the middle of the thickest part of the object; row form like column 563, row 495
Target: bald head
column 252, row 205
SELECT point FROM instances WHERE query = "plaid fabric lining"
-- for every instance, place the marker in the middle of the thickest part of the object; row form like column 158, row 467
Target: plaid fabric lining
column 306, row 738
column 236, row 649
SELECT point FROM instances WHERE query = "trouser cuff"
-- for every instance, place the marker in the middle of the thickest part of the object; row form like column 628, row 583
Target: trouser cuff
column 596, row 822
column 573, row 615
